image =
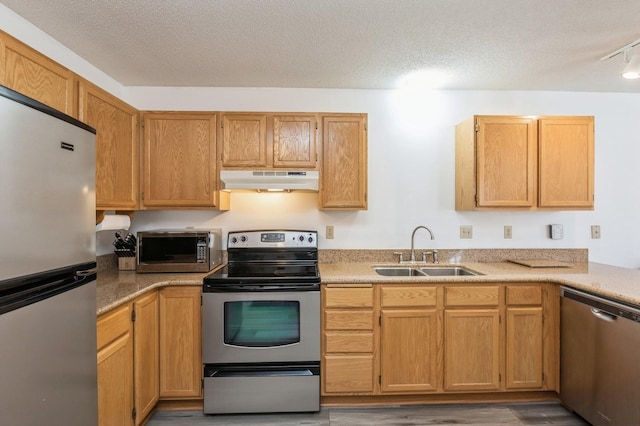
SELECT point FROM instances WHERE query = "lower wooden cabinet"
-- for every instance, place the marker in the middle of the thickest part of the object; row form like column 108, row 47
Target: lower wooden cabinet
column 180, row 342
column 524, row 337
column 348, row 340
column 145, row 354
column 407, row 339
column 472, row 338
column 148, row 349
column 115, row 368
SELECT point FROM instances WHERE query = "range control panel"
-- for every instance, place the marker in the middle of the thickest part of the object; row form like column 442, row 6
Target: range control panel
column 272, row 238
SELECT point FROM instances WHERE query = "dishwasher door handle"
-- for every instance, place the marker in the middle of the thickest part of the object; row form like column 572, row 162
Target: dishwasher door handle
column 605, row 316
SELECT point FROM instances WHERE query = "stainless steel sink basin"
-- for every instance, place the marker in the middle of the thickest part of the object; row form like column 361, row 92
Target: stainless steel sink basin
column 447, row 271
column 444, row 271
column 399, row 272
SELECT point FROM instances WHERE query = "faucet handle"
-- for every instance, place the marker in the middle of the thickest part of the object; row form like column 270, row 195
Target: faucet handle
column 400, row 260
column 433, row 253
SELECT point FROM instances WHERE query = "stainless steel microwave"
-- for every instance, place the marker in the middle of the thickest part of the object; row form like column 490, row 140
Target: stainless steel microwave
column 172, row 250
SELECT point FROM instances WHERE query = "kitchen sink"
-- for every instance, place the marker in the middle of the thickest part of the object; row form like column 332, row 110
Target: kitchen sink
column 447, row 271
column 444, row 271
column 400, row 272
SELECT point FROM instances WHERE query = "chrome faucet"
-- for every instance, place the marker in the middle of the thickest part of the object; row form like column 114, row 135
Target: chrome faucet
column 434, row 253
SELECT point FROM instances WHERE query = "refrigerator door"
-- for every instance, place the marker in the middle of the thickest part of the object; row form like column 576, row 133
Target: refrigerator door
column 47, row 195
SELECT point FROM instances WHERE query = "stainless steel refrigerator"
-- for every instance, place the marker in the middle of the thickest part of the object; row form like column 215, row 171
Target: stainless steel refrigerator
column 47, row 266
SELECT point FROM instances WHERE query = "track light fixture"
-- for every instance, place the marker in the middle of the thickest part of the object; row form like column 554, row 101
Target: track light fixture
column 631, row 69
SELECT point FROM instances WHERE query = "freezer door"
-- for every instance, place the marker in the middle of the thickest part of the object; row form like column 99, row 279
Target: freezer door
column 47, row 195
column 48, row 361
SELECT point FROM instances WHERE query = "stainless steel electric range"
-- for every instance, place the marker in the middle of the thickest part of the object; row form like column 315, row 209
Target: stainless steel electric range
column 261, row 325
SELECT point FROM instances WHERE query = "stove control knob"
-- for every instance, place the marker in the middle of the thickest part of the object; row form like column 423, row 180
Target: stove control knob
column 234, row 240
column 310, row 239
column 301, row 238
column 243, row 239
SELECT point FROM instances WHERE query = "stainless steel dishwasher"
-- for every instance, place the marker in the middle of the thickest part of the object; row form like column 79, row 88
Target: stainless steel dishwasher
column 600, row 358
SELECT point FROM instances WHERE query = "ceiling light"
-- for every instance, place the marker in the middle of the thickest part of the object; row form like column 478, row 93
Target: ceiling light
column 425, row 79
column 632, row 62
column 632, row 68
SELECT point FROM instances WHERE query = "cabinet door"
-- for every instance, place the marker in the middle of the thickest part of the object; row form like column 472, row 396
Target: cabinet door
column 179, row 160
column 146, row 357
column 471, row 350
column 408, row 350
column 566, row 162
column 180, row 342
column 116, row 125
column 244, row 140
column 506, row 161
column 115, row 368
column 294, row 141
column 524, row 348
column 36, row 76
column 344, row 162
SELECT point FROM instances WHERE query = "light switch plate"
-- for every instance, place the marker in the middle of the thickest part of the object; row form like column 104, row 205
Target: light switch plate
column 556, row 232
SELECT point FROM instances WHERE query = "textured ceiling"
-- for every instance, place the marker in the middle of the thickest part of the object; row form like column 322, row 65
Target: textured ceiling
column 361, row 44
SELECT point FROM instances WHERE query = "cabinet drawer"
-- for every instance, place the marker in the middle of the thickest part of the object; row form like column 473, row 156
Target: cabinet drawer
column 407, row 296
column 524, row 295
column 348, row 297
column 348, row 320
column 112, row 325
column 348, row 373
column 348, row 342
column 472, row 295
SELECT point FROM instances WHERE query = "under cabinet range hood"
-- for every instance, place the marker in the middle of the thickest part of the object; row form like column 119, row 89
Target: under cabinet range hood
column 269, row 180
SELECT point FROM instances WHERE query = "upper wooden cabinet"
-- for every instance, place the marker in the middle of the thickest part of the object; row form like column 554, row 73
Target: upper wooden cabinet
column 116, row 125
column 508, row 162
column 566, row 162
column 179, row 161
column 343, row 175
column 244, row 140
column 294, row 141
column 267, row 140
column 29, row 72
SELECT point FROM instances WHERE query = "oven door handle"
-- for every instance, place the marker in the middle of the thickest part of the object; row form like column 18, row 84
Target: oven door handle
column 265, row 373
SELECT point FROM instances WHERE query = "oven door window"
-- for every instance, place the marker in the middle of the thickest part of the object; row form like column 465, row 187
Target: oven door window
column 261, row 323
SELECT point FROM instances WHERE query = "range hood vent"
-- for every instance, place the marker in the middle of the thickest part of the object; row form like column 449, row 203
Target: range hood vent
column 269, row 180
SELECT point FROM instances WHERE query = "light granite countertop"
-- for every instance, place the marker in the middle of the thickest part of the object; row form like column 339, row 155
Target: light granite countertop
column 622, row 284
column 117, row 287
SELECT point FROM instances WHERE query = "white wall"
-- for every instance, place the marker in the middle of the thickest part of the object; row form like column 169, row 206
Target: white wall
column 23, row 30
column 411, row 170
column 411, row 161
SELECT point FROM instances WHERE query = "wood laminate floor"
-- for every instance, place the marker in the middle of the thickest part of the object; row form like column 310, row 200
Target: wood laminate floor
column 428, row 415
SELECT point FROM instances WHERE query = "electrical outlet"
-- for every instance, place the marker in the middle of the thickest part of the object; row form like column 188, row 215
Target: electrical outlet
column 466, row 231
column 329, row 232
column 507, row 232
column 595, row 231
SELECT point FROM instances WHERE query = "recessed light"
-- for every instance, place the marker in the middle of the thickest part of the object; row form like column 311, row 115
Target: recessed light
column 424, row 79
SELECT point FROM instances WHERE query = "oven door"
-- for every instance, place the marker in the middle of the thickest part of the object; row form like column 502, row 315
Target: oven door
column 258, row 327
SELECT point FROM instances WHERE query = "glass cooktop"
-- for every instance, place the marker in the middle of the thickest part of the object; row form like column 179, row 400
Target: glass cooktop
column 267, row 273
